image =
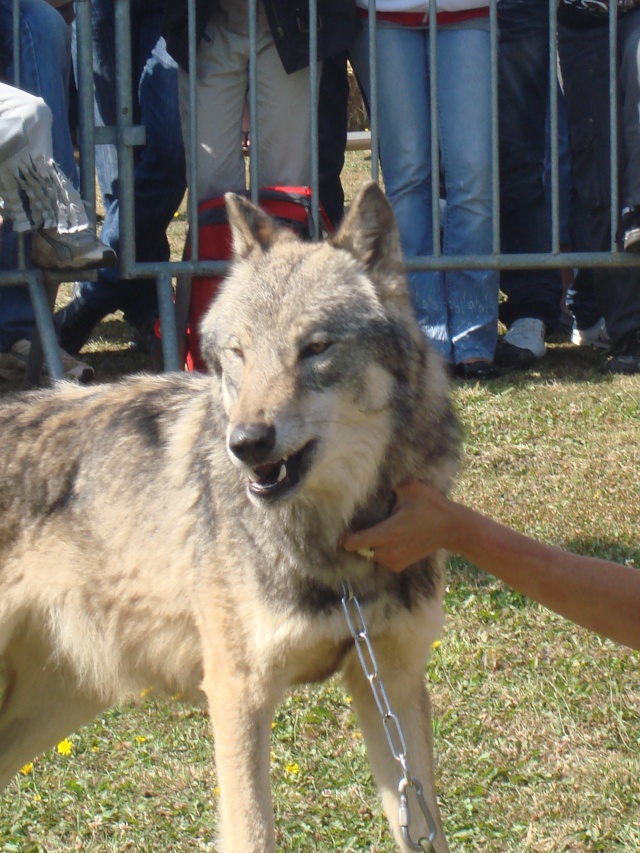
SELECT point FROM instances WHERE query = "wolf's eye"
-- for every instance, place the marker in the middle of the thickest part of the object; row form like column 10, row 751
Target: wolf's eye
column 236, row 351
column 315, row 348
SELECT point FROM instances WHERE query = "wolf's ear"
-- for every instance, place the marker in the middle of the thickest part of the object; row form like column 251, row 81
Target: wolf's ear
column 250, row 226
column 369, row 232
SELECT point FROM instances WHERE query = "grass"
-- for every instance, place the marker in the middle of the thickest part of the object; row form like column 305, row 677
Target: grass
column 537, row 722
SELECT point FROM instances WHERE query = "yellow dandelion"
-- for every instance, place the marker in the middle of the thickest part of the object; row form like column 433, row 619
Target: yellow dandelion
column 348, row 700
column 145, row 692
column 65, row 747
column 292, row 768
column 140, row 739
column 28, row 768
column 216, row 790
column 273, row 725
column 95, row 749
column 436, row 644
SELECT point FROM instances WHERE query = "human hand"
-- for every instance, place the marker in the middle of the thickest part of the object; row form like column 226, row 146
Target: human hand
column 417, row 527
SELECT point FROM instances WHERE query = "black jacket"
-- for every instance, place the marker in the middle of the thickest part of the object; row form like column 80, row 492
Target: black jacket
column 289, row 22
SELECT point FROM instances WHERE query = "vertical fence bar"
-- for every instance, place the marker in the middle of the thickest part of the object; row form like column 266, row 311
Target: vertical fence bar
column 170, row 348
column 313, row 94
column 495, row 127
column 16, row 82
column 254, row 165
column 16, row 42
column 44, row 324
column 433, row 121
column 86, row 132
column 124, row 123
column 553, row 129
column 613, row 121
column 373, row 91
column 192, row 153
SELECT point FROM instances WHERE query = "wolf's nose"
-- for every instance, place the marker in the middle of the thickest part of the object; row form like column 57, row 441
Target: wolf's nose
column 252, row 443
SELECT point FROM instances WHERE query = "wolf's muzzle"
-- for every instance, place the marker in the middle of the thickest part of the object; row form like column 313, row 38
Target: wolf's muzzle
column 252, row 443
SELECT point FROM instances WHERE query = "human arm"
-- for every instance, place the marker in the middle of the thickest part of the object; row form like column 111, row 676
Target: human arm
column 597, row 594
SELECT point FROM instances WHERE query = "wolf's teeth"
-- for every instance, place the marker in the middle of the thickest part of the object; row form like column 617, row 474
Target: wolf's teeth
column 283, row 472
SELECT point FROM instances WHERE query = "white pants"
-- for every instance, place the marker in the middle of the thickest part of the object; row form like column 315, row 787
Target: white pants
column 34, row 192
column 222, row 81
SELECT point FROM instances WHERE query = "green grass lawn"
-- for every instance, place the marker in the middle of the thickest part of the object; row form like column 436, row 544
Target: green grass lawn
column 537, row 723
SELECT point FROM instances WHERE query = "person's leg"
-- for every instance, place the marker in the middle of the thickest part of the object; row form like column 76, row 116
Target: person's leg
column 629, row 45
column 16, row 312
column 405, row 152
column 523, row 87
column 26, row 139
column 464, row 100
column 284, row 116
column 26, row 126
column 585, row 73
column 45, row 63
column 159, row 171
column 36, row 194
column 44, row 71
column 333, row 106
column 629, row 87
column 221, row 91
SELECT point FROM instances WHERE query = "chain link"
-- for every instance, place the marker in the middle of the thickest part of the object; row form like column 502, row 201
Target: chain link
column 395, row 737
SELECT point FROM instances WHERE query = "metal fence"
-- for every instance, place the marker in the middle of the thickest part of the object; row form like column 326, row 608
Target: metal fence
column 126, row 135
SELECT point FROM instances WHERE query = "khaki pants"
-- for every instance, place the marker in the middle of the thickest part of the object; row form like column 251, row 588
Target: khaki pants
column 283, row 138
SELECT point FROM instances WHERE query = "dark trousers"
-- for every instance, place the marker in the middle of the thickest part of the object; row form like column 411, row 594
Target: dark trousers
column 523, row 92
column 584, row 60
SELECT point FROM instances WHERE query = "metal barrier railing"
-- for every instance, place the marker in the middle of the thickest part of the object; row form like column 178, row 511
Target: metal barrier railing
column 126, row 135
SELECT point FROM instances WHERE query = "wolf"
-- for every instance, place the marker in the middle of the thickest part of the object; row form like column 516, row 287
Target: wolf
column 182, row 532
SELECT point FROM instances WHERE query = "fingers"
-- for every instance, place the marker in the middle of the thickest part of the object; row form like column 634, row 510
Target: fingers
column 364, row 539
column 403, row 538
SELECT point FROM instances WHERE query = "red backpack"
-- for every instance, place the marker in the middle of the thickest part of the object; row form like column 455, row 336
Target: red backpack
column 291, row 206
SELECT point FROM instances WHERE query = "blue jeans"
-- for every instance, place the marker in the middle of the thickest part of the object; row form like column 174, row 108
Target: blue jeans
column 523, row 92
column 458, row 310
column 45, row 63
column 159, row 171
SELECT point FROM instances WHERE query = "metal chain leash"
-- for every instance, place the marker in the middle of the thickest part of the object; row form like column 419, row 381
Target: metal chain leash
column 395, row 737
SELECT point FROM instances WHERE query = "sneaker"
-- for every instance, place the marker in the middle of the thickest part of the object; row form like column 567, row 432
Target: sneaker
column 630, row 227
column 625, row 356
column 81, row 250
column 522, row 344
column 74, row 324
column 594, row 336
column 13, row 364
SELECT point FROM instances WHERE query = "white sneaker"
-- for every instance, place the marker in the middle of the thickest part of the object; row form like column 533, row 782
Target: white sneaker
column 527, row 333
column 522, row 345
column 81, row 250
column 13, row 364
column 594, row 336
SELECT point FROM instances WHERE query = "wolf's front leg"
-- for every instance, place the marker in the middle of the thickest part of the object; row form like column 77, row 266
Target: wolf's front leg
column 408, row 699
column 241, row 708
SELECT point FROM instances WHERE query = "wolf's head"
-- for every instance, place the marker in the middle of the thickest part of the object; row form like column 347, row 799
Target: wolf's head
column 318, row 352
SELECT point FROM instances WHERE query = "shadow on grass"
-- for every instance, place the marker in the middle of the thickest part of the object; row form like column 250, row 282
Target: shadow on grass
column 562, row 363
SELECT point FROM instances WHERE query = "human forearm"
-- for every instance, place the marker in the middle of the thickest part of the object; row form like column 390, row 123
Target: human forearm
column 601, row 596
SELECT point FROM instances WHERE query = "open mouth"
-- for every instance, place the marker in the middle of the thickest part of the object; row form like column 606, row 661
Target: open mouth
column 275, row 479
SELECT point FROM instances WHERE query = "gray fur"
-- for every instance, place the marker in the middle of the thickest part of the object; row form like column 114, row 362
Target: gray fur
column 134, row 553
